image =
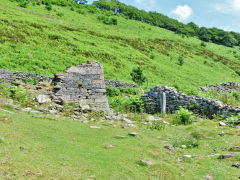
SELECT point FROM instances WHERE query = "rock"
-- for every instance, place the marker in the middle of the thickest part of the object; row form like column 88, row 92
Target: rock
column 53, row 111
column 127, row 120
column 208, row 177
column 236, row 149
column 222, row 123
column 134, row 134
column 221, row 133
column 42, row 99
column 95, row 127
column 183, row 146
column 236, row 165
column 85, row 108
column 110, row 146
column 27, row 109
column 225, row 156
column 146, row 163
column 151, row 118
column 169, row 148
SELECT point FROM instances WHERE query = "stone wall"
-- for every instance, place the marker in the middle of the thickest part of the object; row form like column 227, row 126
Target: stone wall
column 221, row 88
column 116, row 84
column 174, row 99
column 8, row 76
column 83, row 83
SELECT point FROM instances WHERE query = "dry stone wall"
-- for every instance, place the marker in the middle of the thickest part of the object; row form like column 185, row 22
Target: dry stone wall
column 8, row 76
column 221, row 88
column 174, row 99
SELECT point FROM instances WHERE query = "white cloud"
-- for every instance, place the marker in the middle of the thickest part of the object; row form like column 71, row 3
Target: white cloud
column 147, row 5
column 182, row 13
column 228, row 7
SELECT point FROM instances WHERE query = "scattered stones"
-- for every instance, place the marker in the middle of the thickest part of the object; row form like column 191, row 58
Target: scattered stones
column 134, row 134
column 95, row 127
column 146, row 163
column 236, row 165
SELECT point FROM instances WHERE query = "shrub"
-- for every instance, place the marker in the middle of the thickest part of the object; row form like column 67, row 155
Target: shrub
column 237, row 72
column 132, row 104
column 60, row 14
column 180, row 61
column 157, row 125
column 138, row 76
column 48, row 6
column 108, row 20
column 23, row 4
column 236, row 95
column 112, row 92
column 183, row 116
column 233, row 120
column 33, row 81
column 203, row 44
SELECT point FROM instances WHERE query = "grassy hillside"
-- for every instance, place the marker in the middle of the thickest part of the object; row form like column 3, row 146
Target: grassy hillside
column 45, row 147
column 35, row 40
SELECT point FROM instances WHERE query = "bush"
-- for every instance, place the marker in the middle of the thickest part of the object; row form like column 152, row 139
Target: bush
column 108, row 20
column 157, row 125
column 203, row 44
column 233, row 120
column 132, row 104
column 32, row 81
column 112, row 92
column 183, row 116
column 138, row 76
column 180, row 61
column 23, row 4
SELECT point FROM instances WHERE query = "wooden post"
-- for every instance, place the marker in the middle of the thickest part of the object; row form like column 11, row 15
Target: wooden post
column 163, row 103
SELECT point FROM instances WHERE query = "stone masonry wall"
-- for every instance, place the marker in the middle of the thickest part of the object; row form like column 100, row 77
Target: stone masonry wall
column 8, row 76
column 203, row 106
column 116, row 84
column 221, row 88
column 83, row 83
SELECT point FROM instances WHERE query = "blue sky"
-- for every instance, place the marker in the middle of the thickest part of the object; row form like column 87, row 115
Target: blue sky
column 224, row 14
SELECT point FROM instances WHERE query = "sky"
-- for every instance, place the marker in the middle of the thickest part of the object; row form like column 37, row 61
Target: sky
column 223, row 14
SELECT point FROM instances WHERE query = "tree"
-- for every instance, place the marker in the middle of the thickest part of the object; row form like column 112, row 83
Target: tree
column 138, row 76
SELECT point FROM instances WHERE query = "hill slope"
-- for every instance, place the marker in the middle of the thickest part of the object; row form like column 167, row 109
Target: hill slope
column 51, row 147
column 35, row 40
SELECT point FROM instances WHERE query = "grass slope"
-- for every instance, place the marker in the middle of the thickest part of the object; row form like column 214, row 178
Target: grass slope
column 58, row 148
column 35, row 40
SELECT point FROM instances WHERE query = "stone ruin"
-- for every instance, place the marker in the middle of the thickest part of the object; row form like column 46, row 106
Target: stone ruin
column 83, row 84
column 204, row 106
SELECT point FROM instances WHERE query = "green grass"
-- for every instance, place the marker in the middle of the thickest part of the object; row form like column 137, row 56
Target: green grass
column 44, row 148
column 35, row 40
